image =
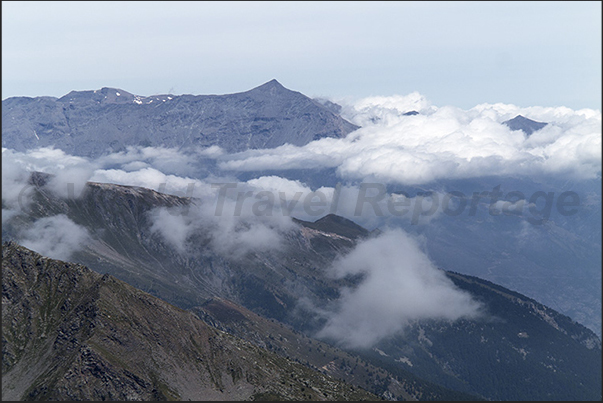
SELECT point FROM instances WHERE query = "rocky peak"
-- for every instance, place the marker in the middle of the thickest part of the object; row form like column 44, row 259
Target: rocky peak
column 528, row 126
column 271, row 85
column 332, row 223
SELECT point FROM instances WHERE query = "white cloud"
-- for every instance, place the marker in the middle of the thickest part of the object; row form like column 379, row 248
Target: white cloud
column 400, row 285
column 56, row 237
column 166, row 160
column 147, row 177
column 232, row 224
column 443, row 143
column 14, row 181
column 384, row 110
column 174, row 228
column 70, row 173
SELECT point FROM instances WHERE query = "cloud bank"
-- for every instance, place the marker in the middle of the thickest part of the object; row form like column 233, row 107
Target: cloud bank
column 442, row 143
column 402, row 140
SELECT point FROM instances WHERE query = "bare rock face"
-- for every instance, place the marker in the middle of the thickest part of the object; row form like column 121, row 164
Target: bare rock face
column 69, row 333
column 528, row 126
column 92, row 123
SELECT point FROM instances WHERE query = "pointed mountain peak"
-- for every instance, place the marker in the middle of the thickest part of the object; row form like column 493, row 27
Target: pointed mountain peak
column 273, row 83
column 271, row 86
column 528, row 126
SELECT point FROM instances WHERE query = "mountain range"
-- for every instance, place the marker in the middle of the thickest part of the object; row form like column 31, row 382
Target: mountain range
column 119, row 292
column 94, row 123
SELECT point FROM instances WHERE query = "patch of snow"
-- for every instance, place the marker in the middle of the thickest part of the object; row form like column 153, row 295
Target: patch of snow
column 521, row 351
column 423, row 338
column 405, row 360
column 117, row 93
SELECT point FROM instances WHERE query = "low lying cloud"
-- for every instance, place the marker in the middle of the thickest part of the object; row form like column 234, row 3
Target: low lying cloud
column 56, row 237
column 158, row 168
column 70, row 173
column 14, row 183
column 170, row 161
column 400, row 285
column 403, row 140
column 442, row 143
column 231, row 228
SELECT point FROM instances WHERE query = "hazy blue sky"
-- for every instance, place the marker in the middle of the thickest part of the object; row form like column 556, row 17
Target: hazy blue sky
column 454, row 53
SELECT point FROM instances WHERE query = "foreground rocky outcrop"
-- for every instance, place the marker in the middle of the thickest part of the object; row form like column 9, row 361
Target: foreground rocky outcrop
column 71, row 334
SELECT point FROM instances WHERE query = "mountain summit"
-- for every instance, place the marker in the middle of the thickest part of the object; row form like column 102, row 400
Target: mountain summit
column 528, row 126
column 270, row 86
column 92, row 123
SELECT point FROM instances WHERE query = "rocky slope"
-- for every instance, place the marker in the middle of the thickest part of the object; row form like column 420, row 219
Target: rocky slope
column 398, row 384
column 71, row 334
column 122, row 244
column 523, row 350
column 92, row 123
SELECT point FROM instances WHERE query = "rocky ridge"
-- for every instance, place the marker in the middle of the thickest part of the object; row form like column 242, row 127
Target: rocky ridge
column 93, row 123
column 69, row 333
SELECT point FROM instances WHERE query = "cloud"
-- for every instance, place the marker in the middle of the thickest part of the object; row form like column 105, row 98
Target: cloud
column 157, row 168
column 147, row 177
column 173, row 227
column 56, row 237
column 380, row 109
column 15, row 190
column 230, row 236
column 167, row 160
column 229, row 226
column 70, row 173
column 400, row 285
column 442, row 143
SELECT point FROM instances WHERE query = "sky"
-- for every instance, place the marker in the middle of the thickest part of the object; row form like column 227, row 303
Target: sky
column 453, row 53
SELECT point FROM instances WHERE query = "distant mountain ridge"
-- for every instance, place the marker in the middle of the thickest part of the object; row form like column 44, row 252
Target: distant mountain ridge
column 92, row 123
